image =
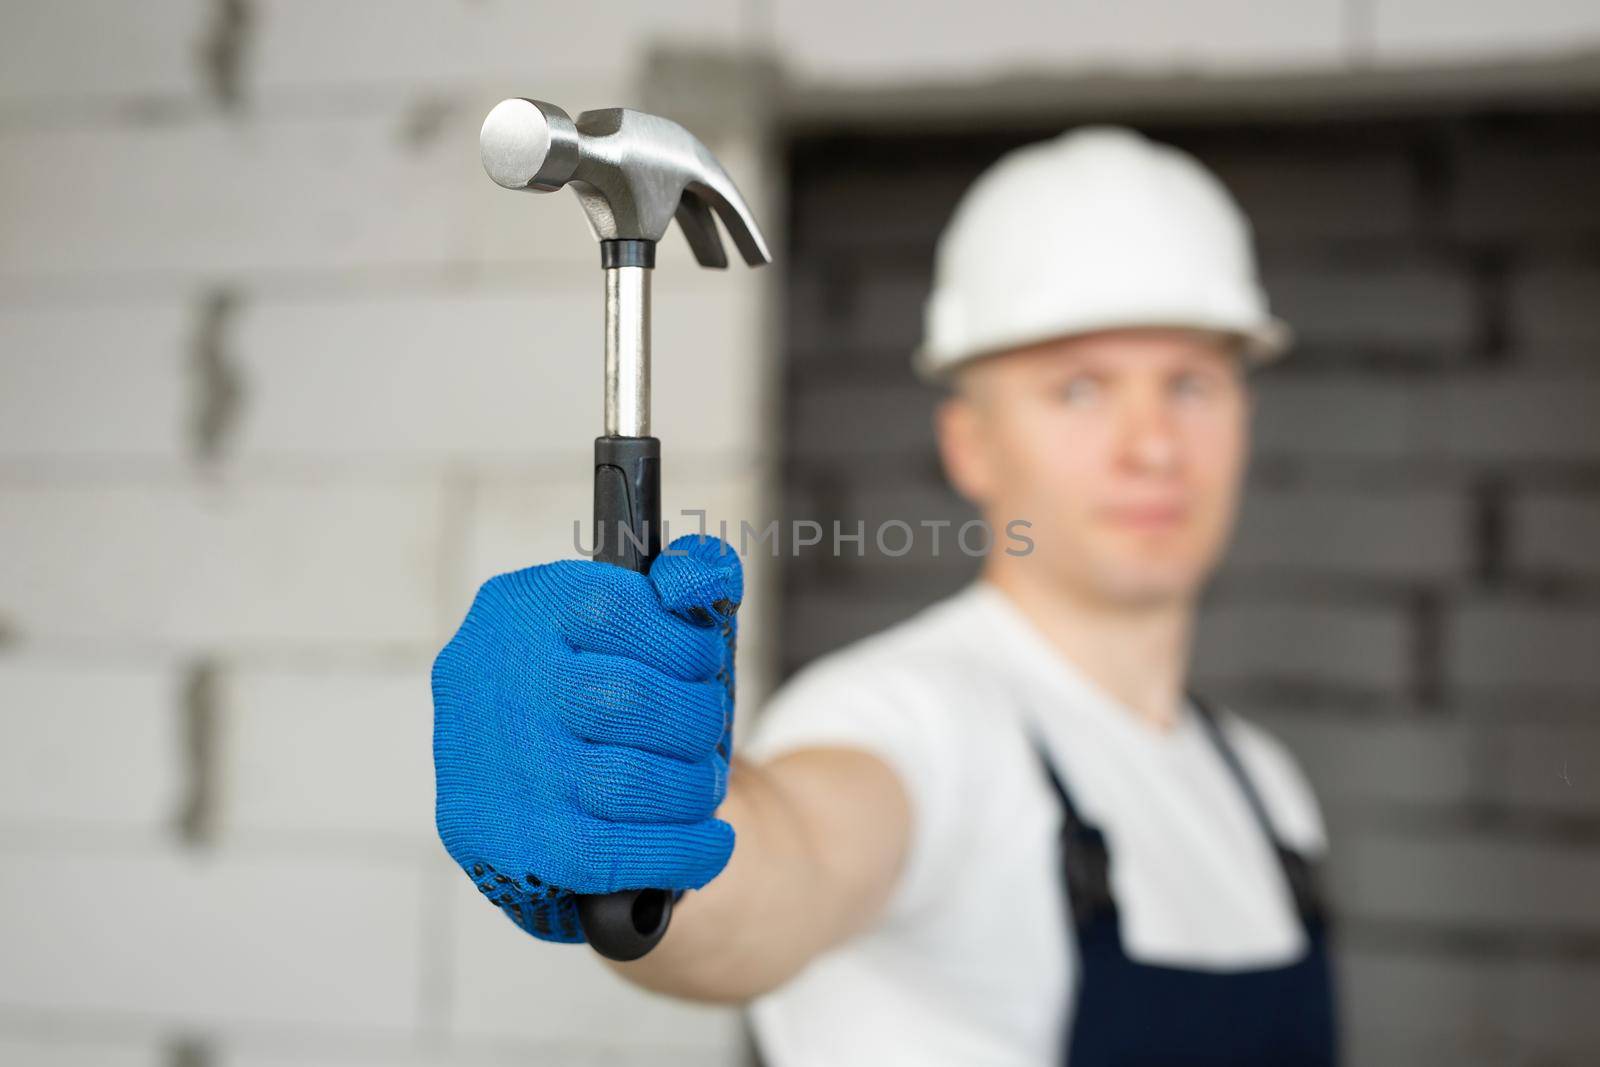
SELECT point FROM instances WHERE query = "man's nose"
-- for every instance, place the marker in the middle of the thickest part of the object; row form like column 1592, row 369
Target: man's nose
column 1150, row 435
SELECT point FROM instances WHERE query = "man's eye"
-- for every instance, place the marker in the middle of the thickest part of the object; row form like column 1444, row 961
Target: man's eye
column 1079, row 390
column 1191, row 386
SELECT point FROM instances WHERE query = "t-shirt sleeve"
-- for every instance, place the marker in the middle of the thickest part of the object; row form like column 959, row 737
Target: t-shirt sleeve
column 887, row 711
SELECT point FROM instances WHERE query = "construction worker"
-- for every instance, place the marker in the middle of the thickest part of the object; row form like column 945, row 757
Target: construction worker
column 1002, row 832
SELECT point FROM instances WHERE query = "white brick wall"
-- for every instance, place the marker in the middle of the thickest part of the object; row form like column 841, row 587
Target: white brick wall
column 1436, row 30
column 508, row 986
column 72, row 50
column 221, row 940
column 234, row 565
column 342, row 757
column 436, row 376
column 305, row 44
column 107, row 381
column 404, row 340
column 76, row 1051
column 492, row 375
column 88, row 747
column 488, row 1053
column 416, row 359
column 835, row 41
column 173, row 204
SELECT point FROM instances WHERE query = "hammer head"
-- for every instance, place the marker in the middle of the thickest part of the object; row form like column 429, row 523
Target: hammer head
column 633, row 172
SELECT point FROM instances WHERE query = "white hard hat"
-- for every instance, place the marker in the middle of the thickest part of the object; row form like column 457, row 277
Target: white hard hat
column 1095, row 229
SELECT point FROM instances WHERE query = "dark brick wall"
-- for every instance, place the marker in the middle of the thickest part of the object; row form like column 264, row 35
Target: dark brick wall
column 1413, row 602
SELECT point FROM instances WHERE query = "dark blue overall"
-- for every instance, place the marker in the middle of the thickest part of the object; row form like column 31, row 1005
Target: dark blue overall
column 1132, row 1014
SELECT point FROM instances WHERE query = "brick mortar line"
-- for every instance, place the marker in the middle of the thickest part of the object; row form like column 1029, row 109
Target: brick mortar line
column 1480, row 820
column 445, row 277
column 1467, row 942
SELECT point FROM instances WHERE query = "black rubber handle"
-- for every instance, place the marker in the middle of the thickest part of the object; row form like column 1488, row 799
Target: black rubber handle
column 627, row 530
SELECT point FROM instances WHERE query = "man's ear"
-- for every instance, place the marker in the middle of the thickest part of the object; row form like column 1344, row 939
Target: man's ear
column 963, row 448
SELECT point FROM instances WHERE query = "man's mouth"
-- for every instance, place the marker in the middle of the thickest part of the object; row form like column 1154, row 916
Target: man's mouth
column 1152, row 516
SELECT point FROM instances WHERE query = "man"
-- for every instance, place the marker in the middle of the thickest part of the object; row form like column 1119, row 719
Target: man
column 1001, row 832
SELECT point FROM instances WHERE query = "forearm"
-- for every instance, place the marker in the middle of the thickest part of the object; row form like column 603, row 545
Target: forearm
column 820, row 839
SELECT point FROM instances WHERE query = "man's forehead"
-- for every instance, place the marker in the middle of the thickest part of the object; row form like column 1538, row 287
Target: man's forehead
column 1130, row 350
column 1132, row 342
column 1124, row 348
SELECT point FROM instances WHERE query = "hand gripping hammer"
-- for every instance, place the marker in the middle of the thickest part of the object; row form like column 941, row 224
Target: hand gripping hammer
column 633, row 173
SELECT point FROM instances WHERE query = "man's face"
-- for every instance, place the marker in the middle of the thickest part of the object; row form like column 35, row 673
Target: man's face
column 1125, row 449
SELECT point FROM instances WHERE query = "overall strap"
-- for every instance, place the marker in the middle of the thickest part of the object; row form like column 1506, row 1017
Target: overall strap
column 1297, row 870
column 1085, row 859
column 1225, row 749
column 1070, row 818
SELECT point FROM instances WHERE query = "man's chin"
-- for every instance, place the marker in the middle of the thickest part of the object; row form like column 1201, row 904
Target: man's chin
column 1133, row 580
column 1147, row 587
column 1147, row 598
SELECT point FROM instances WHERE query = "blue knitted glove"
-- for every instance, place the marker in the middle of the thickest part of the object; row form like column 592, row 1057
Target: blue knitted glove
column 583, row 717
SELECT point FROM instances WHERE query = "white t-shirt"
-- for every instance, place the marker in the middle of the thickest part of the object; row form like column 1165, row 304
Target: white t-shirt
column 973, row 961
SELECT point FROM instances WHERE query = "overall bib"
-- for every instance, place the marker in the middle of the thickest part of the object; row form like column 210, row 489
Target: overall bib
column 1132, row 1014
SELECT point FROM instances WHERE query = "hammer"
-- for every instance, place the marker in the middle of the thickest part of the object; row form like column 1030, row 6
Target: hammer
column 633, row 173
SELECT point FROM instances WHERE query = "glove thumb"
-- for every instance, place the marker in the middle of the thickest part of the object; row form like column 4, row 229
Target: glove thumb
column 699, row 577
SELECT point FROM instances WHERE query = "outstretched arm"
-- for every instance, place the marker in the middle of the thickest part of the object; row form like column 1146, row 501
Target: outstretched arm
column 821, row 836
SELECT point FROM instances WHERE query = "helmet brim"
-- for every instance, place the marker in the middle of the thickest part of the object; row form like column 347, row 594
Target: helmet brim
column 1263, row 341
